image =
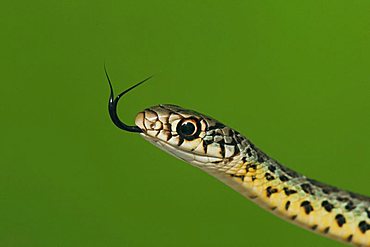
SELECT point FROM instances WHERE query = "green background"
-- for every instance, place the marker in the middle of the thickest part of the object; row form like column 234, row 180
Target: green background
column 293, row 76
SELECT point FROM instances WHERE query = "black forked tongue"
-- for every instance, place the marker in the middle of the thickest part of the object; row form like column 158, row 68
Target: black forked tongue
column 112, row 106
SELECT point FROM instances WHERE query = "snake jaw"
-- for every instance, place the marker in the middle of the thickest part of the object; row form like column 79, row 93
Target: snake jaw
column 190, row 157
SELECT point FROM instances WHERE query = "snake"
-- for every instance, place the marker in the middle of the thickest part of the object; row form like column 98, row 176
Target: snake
column 229, row 156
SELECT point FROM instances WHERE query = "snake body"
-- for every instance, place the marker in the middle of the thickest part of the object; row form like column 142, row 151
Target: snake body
column 229, row 156
column 232, row 158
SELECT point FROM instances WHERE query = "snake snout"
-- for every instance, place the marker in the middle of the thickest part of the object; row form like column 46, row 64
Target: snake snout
column 139, row 120
column 153, row 121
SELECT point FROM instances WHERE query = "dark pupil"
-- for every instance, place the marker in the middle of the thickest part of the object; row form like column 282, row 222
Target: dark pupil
column 187, row 128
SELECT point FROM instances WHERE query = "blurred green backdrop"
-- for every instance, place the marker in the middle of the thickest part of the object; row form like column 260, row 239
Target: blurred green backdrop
column 293, row 76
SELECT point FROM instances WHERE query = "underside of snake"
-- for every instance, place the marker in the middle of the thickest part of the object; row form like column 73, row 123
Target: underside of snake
column 230, row 157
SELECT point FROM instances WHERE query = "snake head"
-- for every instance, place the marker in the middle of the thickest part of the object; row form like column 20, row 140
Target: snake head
column 188, row 135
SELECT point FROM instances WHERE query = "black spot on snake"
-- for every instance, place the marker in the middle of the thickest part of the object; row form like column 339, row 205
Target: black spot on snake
column 307, row 207
column 349, row 238
column 341, row 220
column 342, row 199
column 260, row 159
column 287, row 204
column 283, row 178
column 270, row 191
column 249, row 152
column 307, row 188
column 350, row 206
column 289, row 192
column 363, row 226
column 269, row 177
column 368, row 213
column 252, row 166
column 272, row 168
column 327, row 205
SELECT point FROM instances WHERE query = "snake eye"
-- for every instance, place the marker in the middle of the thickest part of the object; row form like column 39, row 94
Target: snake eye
column 188, row 128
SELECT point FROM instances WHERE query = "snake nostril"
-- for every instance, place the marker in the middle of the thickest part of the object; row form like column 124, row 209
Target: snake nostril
column 157, row 125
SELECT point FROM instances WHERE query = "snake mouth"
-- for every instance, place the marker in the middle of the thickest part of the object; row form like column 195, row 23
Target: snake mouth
column 186, row 155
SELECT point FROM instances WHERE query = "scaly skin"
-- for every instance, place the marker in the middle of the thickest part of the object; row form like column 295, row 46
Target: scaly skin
column 232, row 158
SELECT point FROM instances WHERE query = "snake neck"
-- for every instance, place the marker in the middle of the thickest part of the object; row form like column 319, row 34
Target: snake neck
column 319, row 207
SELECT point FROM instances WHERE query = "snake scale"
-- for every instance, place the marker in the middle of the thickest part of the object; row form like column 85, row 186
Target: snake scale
column 230, row 157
